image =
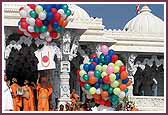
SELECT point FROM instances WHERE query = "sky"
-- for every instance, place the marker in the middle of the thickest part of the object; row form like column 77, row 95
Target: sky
column 115, row 16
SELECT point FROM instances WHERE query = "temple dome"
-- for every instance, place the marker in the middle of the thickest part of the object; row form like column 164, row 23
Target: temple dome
column 145, row 22
column 78, row 12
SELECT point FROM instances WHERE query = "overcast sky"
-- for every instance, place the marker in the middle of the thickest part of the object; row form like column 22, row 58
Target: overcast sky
column 115, row 16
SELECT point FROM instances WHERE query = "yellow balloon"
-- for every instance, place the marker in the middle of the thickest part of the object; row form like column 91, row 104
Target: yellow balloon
column 116, row 69
column 104, row 67
column 39, row 9
column 111, row 64
column 103, row 74
column 112, row 77
column 115, row 84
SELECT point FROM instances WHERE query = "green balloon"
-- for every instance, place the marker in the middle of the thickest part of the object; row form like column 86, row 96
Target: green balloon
column 33, row 14
column 36, row 29
column 110, row 90
column 114, row 98
column 43, row 29
column 65, row 7
column 68, row 12
column 102, row 58
column 59, row 29
column 87, row 86
column 97, row 73
column 85, row 77
column 105, row 86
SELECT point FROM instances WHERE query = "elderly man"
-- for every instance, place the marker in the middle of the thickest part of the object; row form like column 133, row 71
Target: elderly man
column 44, row 90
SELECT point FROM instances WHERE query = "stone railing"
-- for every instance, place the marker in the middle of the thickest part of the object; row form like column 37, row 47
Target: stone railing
column 149, row 103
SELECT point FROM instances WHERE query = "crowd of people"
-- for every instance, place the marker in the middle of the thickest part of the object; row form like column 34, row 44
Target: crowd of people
column 36, row 97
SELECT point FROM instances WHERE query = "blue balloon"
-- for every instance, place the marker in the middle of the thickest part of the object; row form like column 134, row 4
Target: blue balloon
column 86, row 67
column 97, row 85
column 100, row 81
column 107, row 59
column 55, row 25
column 58, row 6
column 117, row 76
column 47, row 7
column 45, row 22
column 92, row 67
column 111, row 52
column 125, row 80
column 49, row 15
column 96, row 60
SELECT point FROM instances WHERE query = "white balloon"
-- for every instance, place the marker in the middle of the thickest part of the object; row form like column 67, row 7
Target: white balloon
column 98, row 91
column 27, row 8
column 23, row 13
column 31, row 21
column 27, row 34
column 122, row 94
column 42, row 15
column 42, row 36
column 61, row 11
column 48, row 39
column 81, row 66
column 31, row 28
column 20, row 28
column 89, row 96
column 64, row 16
column 81, row 79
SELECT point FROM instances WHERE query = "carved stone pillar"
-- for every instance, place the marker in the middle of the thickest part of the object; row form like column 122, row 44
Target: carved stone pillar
column 130, row 58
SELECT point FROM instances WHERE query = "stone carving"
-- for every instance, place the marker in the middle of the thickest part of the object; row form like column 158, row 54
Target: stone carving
column 131, row 68
column 66, row 42
column 65, row 66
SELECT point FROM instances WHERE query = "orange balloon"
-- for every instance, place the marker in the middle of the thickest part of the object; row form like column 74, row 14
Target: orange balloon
column 92, row 80
column 129, row 83
column 50, row 28
column 123, row 75
column 96, row 96
column 123, row 87
column 60, row 22
column 65, row 22
column 104, row 94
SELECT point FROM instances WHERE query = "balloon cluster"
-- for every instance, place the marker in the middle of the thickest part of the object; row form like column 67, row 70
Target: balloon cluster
column 104, row 78
column 44, row 21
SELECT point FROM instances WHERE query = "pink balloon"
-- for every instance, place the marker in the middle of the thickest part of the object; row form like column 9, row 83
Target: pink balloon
column 91, row 73
column 104, row 49
column 110, row 69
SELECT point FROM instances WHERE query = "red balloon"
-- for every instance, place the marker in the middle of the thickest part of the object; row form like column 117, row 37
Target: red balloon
column 53, row 34
column 38, row 22
column 24, row 25
column 82, row 84
column 57, row 16
column 104, row 94
column 32, row 6
column 94, row 55
column 114, row 58
column 21, row 8
column 52, row 21
column 50, row 29
column 34, row 34
column 106, row 79
column 107, row 103
column 65, row 22
column 102, row 102
column 23, row 20
column 53, row 10
column 122, row 68
column 19, row 31
column 61, row 20
column 92, row 80
column 122, row 87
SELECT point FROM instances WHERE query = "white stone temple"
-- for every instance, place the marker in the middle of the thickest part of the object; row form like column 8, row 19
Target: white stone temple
column 140, row 45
